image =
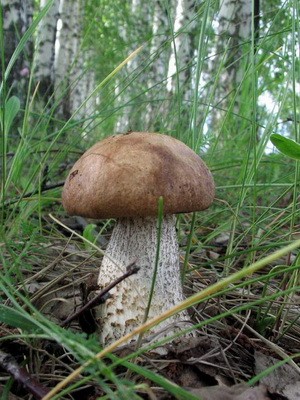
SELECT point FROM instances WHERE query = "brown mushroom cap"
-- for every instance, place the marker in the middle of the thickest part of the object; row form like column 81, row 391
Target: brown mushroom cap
column 124, row 175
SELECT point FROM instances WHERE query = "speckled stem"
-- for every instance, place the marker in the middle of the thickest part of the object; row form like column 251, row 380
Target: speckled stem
column 136, row 240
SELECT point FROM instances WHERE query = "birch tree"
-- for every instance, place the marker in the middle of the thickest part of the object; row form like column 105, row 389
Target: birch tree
column 235, row 29
column 160, row 49
column 17, row 15
column 45, row 52
column 66, row 53
column 234, row 37
column 160, row 43
column 73, row 80
column 77, row 58
column 183, row 53
column 134, row 79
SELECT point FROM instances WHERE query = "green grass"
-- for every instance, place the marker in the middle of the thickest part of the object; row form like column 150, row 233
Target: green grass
column 256, row 269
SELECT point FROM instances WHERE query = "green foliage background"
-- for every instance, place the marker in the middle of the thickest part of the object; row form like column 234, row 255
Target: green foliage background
column 257, row 197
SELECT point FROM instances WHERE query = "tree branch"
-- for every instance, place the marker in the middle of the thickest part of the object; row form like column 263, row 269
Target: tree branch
column 9, row 364
column 33, row 192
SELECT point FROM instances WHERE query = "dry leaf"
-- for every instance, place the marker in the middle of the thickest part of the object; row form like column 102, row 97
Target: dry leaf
column 236, row 392
column 284, row 380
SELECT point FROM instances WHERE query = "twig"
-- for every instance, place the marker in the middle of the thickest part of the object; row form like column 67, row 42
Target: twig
column 130, row 270
column 44, row 188
column 9, row 364
column 198, row 297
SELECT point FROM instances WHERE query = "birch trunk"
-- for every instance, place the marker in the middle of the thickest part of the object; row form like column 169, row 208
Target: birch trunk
column 183, row 52
column 65, row 55
column 234, row 31
column 134, row 116
column 73, row 80
column 46, row 37
column 160, row 56
column 17, row 19
column 160, row 49
column 235, row 25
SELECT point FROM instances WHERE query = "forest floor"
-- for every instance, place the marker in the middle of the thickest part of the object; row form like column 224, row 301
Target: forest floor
column 59, row 275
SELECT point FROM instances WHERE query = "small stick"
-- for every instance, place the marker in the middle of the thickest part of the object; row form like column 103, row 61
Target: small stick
column 43, row 189
column 9, row 364
column 130, row 270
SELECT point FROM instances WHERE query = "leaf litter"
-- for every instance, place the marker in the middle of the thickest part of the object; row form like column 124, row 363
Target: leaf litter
column 215, row 365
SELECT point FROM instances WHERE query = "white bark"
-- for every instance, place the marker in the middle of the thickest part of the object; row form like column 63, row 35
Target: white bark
column 17, row 17
column 69, row 44
column 235, row 26
column 17, row 14
column 46, row 37
column 136, row 240
column 185, row 23
column 160, row 52
column 76, row 60
column 130, row 115
column 73, row 79
column 233, row 31
column 235, row 18
column 64, row 44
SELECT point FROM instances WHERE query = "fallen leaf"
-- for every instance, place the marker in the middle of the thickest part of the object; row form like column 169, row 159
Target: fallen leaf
column 236, row 392
column 283, row 380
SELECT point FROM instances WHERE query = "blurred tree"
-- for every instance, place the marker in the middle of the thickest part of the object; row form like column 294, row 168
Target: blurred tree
column 80, row 42
column 232, row 48
column 45, row 53
column 61, row 59
column 69, row 61
column 234, row 31
column 164, row 14
column 17, row 17
column 183, row 82
column 184, row 46
column 132, row 83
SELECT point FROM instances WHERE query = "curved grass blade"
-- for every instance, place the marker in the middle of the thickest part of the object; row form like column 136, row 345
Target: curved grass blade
column 24, row 40
column 14, row 318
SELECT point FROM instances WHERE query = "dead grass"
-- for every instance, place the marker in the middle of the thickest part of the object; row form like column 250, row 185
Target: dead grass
column 62, row 276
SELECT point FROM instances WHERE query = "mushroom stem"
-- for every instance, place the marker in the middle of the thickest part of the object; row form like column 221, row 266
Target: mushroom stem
column 136, row 239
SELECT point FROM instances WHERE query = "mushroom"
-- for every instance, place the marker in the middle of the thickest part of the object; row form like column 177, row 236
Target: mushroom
column 122, row 177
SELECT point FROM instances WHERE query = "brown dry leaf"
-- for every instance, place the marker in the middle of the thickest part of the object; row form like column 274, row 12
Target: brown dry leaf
column 284, row 380
column 236, row 392
column 206, row 354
